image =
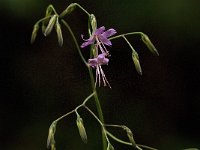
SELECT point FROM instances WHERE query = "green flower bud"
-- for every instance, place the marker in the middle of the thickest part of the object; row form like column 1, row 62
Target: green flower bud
column 50, row 25
column 50, row 140
column 59, row 33
column 48, row 11
column 136, row 61
column 43, row 28
column 81, row 129
column 149, row 44
column 68, row 10
column 93, row 22
column 34, row 33
column 130, row 136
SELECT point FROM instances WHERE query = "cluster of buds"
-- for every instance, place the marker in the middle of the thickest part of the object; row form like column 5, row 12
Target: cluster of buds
column 50, row 21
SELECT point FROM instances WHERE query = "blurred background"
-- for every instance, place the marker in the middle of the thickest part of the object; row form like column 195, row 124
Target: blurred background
column 40, row 82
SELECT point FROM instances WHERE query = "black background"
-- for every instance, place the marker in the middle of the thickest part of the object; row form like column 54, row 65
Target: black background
column 40, row 82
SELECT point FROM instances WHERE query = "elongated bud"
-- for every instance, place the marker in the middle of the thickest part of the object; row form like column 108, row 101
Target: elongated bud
column 59, row 33
column 68, row 10
column 48, row 11
column 93, row 22
column 50, row 140
column 149, row 44
column 81, row 129
column 136, row 61
column 110, row 147
column 130, row 136
column 50, row 25
column 34, row 33
column 47, row 14
column 43, row 28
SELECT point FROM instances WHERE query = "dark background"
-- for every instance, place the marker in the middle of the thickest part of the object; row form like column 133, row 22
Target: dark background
column 41, row 82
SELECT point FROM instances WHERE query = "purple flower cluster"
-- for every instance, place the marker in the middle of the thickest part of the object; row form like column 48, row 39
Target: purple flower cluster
column 100, row 39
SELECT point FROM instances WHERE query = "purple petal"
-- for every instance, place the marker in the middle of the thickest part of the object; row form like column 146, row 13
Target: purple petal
column 101, row 60
column 92, row 62
column 101, row 57
column 105, row 61
column 104, row 40
column 109, row 33
column 88, row 42
column 99, row 30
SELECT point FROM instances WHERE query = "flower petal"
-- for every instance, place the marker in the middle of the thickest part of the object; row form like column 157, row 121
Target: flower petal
column 88, row 42
column 92, row 62
column 101, row 57
column 109, row 33
column 104, row 40
column 99, row 30
column 102, row 60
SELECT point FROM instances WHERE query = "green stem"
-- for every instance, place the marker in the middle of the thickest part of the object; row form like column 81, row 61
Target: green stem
column 75, row 41
column 121, row 35
column 53, row 9
column 43, row 19
column 98, row 105
column 75, row 110
column 82, row 9
column 97, row 102
column 102, row 125
column 127, row 143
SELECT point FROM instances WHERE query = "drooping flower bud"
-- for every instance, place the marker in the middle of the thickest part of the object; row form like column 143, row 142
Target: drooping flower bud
column 149, row 44
column 34, row 33
column 136, row 61
column 59, row 33
column 50, row 25
column 48, row 11
column 68, row 10
column 130, row 136
column 81, row 129
column 93, row 22
column 50, row 140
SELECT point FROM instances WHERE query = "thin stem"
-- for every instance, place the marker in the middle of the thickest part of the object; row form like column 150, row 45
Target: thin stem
column 113, row 125
column 129, row 44
column 96, row 98
column 94, row 115
column 75, row 41
column 82, row 9
column 102, row 125
column 51, row 6
column 121, row 35
column 147, row 147
column 128, row 143
column 99, row 110
column 74, row 110
column 43, row 19
column 98, row 105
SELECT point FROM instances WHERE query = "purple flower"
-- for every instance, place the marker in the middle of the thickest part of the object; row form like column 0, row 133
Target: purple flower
column 96, row 63
column 99, row 60
column 100, row 36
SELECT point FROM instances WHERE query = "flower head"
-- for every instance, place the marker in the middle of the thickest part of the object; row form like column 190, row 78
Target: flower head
column 96, row 63
column 99, row 60
column 100, row 37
